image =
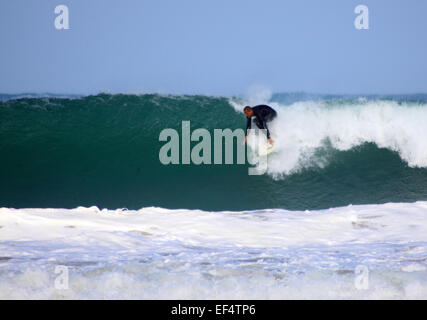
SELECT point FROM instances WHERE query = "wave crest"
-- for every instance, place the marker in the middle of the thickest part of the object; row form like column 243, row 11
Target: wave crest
column 304, row 130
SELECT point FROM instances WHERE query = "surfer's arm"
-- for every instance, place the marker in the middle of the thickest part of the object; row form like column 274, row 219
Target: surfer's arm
column 248, row 126
column 264, row 124
column 268, row 132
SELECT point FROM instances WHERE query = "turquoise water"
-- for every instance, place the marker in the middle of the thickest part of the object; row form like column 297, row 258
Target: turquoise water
column 103, row 150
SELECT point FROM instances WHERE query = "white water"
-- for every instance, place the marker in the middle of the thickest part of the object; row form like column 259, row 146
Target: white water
column 189, row 254
column 304, row 128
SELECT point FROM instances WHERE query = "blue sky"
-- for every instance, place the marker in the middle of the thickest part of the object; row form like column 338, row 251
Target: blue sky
column 213, row 46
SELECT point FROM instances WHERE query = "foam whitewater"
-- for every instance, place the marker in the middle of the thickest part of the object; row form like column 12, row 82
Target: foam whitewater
column 156, row 253
column 348, row 179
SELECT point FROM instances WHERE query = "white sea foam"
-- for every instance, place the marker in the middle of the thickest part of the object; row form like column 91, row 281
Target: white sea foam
column 187, row 254
column 304, row 128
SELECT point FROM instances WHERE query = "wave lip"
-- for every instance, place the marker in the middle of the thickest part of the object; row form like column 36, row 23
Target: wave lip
column 304, row 130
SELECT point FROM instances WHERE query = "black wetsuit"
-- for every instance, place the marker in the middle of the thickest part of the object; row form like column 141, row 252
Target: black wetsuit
column 262, row 114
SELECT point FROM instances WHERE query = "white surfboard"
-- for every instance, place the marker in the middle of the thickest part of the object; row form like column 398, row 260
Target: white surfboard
column 265, row 149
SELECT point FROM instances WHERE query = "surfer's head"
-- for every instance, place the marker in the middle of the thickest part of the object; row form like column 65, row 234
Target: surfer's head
column 248, row 111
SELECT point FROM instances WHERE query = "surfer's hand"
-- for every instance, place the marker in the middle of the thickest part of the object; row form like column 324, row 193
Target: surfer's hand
column 271, row 141
column 244, row 141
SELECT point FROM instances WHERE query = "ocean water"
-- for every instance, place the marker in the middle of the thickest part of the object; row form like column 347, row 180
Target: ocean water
column 81, row 186
column 104, row 150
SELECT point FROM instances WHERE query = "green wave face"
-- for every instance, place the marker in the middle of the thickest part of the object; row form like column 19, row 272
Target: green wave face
column 104, row 150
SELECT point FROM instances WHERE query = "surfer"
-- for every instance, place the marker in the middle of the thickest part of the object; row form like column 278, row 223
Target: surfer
column 263, row 114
